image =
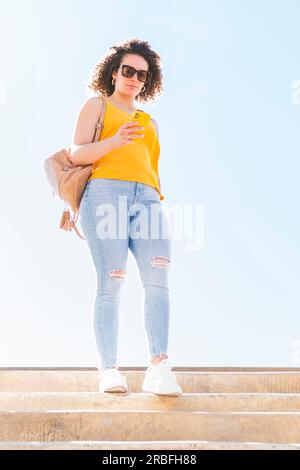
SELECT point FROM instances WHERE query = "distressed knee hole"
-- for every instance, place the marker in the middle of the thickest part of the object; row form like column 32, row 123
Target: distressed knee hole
column 117, row 274
column 160, row 262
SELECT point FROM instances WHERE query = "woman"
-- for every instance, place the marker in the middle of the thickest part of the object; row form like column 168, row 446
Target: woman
column 125, row 168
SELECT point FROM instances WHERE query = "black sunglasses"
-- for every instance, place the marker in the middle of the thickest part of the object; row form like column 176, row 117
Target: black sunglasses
column 128, row 72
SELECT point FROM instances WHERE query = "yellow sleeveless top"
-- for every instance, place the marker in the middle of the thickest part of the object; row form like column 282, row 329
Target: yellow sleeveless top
column 133, row 162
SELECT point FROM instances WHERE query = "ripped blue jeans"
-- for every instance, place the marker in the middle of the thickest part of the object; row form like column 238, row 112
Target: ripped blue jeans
column 116, row 215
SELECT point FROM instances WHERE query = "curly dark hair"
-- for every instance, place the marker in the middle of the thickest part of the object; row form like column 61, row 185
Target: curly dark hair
column 101, row 75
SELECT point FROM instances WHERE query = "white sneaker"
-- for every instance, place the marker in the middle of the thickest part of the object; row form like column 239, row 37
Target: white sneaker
column 161, row 380
column 111, row 380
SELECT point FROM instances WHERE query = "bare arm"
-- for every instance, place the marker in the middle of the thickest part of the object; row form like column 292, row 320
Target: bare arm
column 83, row 150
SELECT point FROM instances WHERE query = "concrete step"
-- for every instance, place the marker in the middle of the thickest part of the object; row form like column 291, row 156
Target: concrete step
column 221, row 408
column 89, row 401
column 116, row 425
column 190, row 381
column 144, row 445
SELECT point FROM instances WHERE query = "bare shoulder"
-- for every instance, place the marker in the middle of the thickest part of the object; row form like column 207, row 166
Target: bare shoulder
column 92, row 104
column 86, row 120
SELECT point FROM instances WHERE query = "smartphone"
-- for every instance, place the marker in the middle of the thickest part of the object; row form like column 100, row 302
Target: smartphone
column 142, row 118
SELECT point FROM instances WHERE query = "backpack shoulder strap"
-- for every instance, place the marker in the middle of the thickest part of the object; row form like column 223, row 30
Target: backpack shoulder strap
column 99, row 124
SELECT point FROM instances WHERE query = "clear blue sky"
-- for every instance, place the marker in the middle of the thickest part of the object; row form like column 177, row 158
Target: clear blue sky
column 229, row 134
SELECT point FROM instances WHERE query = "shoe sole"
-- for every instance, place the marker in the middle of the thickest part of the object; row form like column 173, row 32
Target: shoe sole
column 171, row 394
column 114, row 389
column 118, row 387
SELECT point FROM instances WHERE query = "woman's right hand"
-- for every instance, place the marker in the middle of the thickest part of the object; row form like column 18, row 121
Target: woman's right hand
column 126, row 134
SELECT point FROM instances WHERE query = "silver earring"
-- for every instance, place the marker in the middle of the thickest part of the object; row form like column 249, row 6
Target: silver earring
column 113, row 81
column 143, row 89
